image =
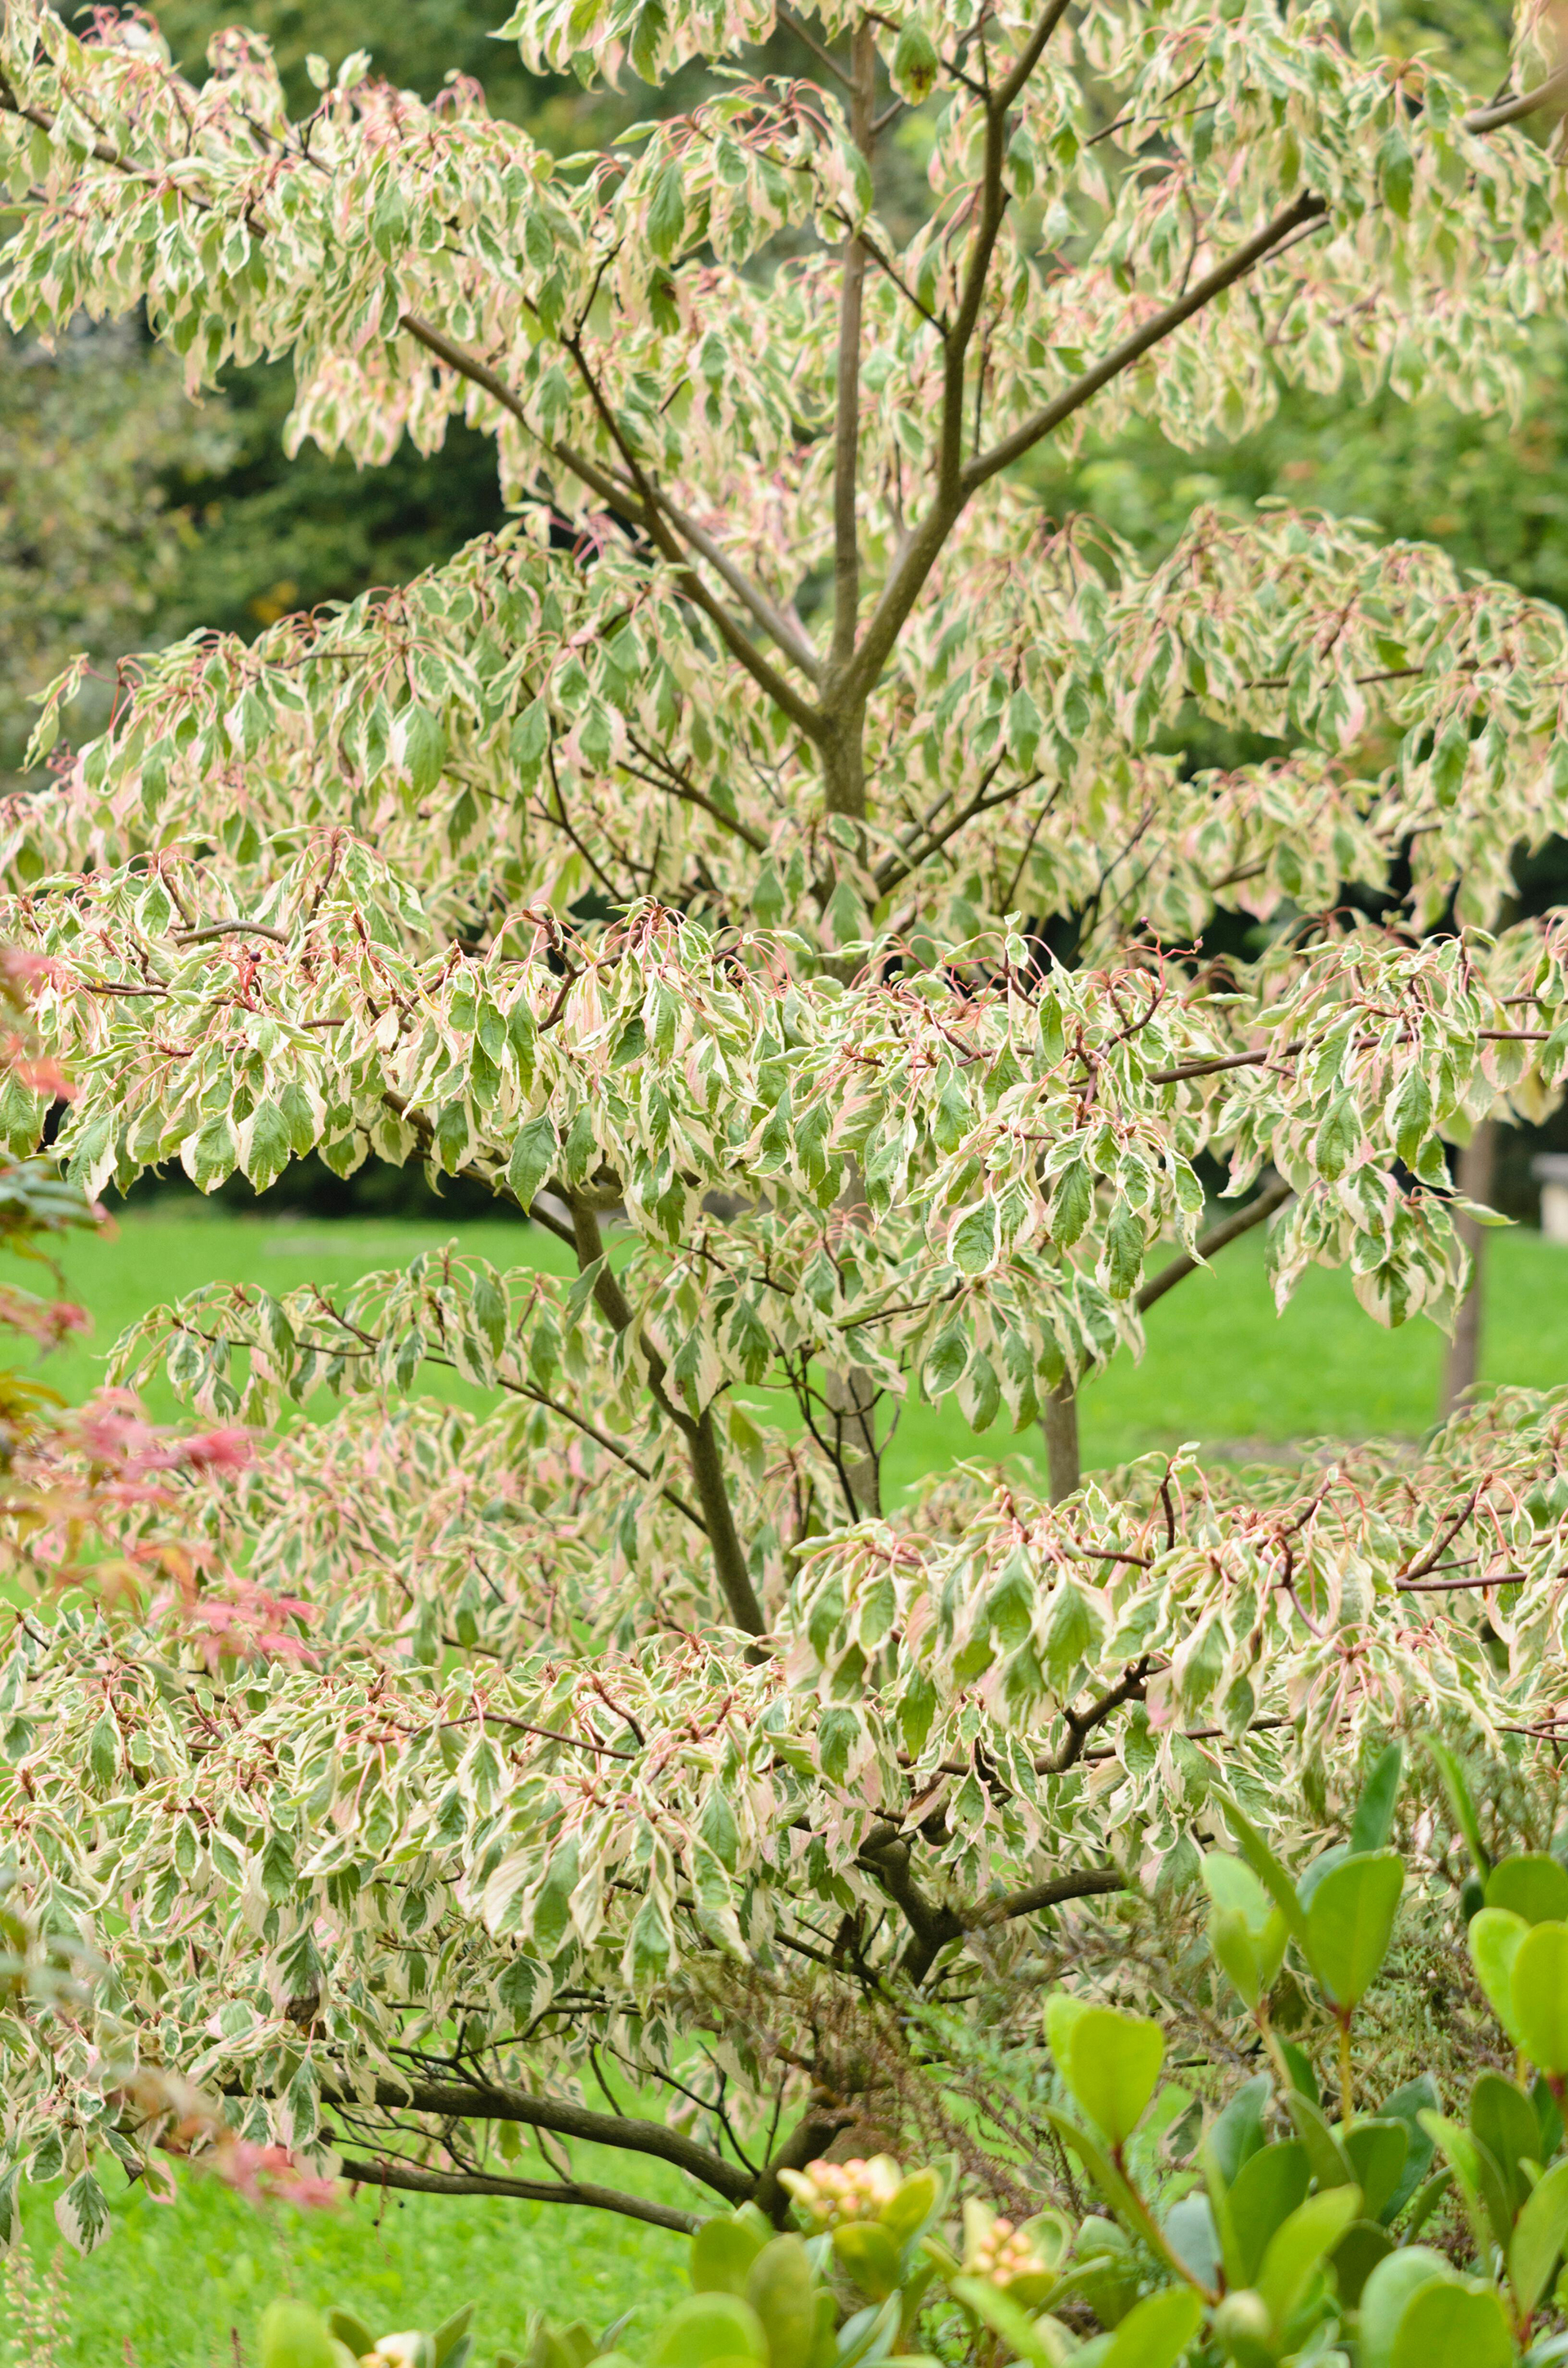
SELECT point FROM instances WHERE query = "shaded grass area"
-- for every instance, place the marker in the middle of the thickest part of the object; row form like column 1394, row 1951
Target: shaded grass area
column 183, row 2287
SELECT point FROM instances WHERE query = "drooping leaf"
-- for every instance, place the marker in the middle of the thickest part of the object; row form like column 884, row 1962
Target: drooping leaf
column 1156, row 2331
column 1111, row 2063
column 1539, row 1996
column 1374, row 1820
column 1299, row 2244
column 1494, row 1937
column 1450, row 2324
column 1350, row 1923
column 1540, row 2234
column 1532, row 1885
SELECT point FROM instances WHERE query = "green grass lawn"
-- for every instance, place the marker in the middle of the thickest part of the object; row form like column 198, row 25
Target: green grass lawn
column 1221, row 1366
column 182, row 2287
column 173, row 2286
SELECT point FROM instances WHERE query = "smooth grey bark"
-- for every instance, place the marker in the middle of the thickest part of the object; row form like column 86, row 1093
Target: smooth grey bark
column 1475, row 1175
column 1059, row 1424
column 852, row 1406
column 1059, row 1420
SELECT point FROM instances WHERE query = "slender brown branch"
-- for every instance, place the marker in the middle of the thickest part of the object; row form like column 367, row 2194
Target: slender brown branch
column 231, row 929
column 1029, row 57
column 1512, row 110
column 790, row 636
column 819, row 50
column 389, row 2173
column 1230, row 1229
column 470, row 366
column 703, row 1453
column 99, row 150
column 847, row 424
column 539, row 1216
column 903, row 587
column 492, row 1716
column 1208, row 1068
column 1080, row 1725
column 1446, row 1586
column 462, row 2101
column 613, row 1447
column 991, row 202
column 894, row 867
column 1430, row 1561
column 656, row 527
column 1306, row 208
column 891, row 272
column 676, row 785
column 1036, row 1896
column 728, row 1555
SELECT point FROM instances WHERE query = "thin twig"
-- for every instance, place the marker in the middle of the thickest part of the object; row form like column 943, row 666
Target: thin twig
column 231, row 929
column 819, row 50
column 1512, row 110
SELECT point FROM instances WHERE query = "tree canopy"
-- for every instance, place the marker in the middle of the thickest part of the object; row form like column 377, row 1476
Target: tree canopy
column 763, row 862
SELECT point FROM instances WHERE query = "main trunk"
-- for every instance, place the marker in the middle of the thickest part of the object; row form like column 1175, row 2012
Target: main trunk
column 844, row 765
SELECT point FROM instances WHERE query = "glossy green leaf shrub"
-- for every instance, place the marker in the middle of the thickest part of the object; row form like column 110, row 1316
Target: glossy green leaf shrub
column 1292, row 2224
column 294, row 2335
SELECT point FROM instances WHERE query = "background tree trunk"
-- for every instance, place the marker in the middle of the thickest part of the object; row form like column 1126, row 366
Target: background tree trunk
column 1474, row 1175
column 1059, row 1424
column 852, row 1408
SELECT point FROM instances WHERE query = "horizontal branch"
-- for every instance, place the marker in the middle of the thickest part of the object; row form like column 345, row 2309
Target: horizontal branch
column 1210, row 1068
column 1449, row 1586
column 1036, row 1896
column 231, row 929
column 1230, row 1229
column 459, row 2100
column 391, row 2174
